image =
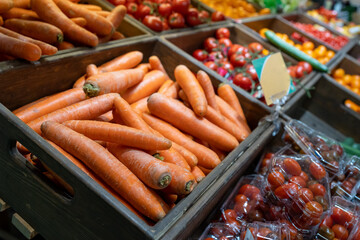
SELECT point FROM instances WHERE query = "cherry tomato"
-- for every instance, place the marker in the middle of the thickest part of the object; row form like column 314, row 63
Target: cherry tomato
column 318, row 189
column 237, row 60
column 118, row 2
column 240, row 197
column 306, row 195
column 313, row 209
column 242, row 81
column 192, row 17
column 342, row 217
column 317, row 170
column 229, row 214
column 181, row 6
column 340, row 232
column 233, row 227
column 252, row 72
column 217, row 16
column 218, row 231
column 327, row 221
column 222, row 33
column 225, row 42
column 291, row 167
column 276, row 179
column 255, row 47
column 298, row 180
column 176, row 20
column 249, row 191
column 307, row 66
column 242, row 208
column 200, row 54
column 226, row 65
column 216, row 56
column 247, row 55
column 299, row 71
column 153, row 22
column 165, row 24
column 287, row 191
column 304, row 176
column 337, row 148
column 211, row 65
column 290, row 227
column 165, row 9
column 132, row 8
column 291, row 71
column 263, row 233
column 143, row 10
column 347, row 186
column 210, row 44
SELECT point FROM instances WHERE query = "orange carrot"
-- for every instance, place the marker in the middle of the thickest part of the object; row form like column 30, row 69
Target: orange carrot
column 79, row 83
column 65, row 45
column 106, row 117
column 20, row 49
column 183, row 118
column 94, row 22
column 144, row 66
column 198, row 174
column 150, row 84
column 190, row 158
column 22, row 3
column 183, row 97
column 117, row 15
column 216, row 118
column 21, row 13
column 119, row 134
column 182, row 182
column 140, row 106
column 51, row 104
column 206, row 171
column 192, row 88
column 156, row 64
column 35, row 29
column 87, row 109
column 106, row 166
column 172, row 91
column 20, row 109
column 168, row 197
column 50, row 12
column 90, row 7
column 208, row 88
column 91, row 70
column 117, row 36
column 221, row 154
column 6, row 5
column 46, row 49
column 79, row 21
column 1, row 21
column 103, row 14
column 165, row 86
column 173, row 156
column 58, row 179
column 205, row 156
column 125, row 61
column 226, row 92
column 154, row 173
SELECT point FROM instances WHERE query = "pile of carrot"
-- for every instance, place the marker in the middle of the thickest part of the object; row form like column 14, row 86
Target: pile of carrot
column 32, row 28
column 145, row 138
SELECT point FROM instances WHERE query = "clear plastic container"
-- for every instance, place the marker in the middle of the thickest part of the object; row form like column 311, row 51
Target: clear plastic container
column 325, row 149
column 220, row 230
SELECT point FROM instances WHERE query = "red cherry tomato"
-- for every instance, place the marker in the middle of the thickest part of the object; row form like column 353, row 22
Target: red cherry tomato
column 347, row 186
column 287, row 191
column 327, row 221
column 217, row 16
column 313, row 209
column 143, row 10
column 252, row 72
column 340, row 232
column 306, row 195
column 342, row 217
column 298, row 180
column 200, row 55
column 307, row 66
column 132, row 8
column 165, row 9
column 118, row 2
column 153, row 22
column 216, row 56
column 304, row 176
column 255, row 47
column 229, row 214
column 317, row 170
column 211, row 65
column 240, row 197
column 249, row 191
column 291, row 167
column 210, row 44
column 192, row 17
column 237, row 60
column 291, row 71
column 165, row 24
column 318, row 189
column 299, row 71
column 176, row 20
column 222, row 33
column 242, row 208
column 276, row 179
column 181, row 6
column 204, row 16
column 226, row 65
column 225, row 42
column 242, row 81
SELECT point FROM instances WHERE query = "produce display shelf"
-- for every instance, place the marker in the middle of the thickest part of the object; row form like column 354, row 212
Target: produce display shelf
column 355, row 52
column 92, row 213
column 237, row 35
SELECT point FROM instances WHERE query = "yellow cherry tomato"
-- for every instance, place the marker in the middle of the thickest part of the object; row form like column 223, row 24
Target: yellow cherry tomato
column 265, row 52
column 262, row 32
column 330, row 54
column 308, row 45
column 339, row 73
column 347, row 79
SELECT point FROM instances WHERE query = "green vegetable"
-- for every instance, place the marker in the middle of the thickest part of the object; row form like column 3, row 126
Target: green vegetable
column 293, row 51
column 350, row 150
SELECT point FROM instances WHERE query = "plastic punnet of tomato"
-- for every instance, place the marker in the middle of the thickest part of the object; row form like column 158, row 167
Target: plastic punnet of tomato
column 340, row 222
column 327, row 150
column 301, row 184
column 265, row 231
column 222, row 231
column 345, row 184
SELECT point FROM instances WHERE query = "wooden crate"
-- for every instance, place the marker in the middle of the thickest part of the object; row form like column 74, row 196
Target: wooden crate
column 355, row 52
column 238, row 35
column 92, row 213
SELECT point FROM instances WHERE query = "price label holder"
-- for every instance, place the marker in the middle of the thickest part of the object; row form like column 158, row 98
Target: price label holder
column 275, row 82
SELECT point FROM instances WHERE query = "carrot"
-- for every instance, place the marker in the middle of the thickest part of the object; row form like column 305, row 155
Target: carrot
column 117, row 36
column 198, row 174
column 90, row 7
column 192, row 88
column 206, row 171
column 216, row 118
column 19, row 49
column 221, row 154
column 168, row 197
column 226, row 92
column 144, row 66
column 182, row 182
column 52, row 103
column 173, row 156
column 103, row 14
column 165, row 86
column 117, row 15
column 59, row 180
column 150, row 84
column 129, row 116
column 183, row 97
column 172, row 91
column 140, row 106
column 65, row 45
column 112, row 82
column 125, row 61
column 87, row 109
column 119, row 134
column 20, row 109
column 94, row 22
column 183, row 118
column 79, row 83
column 21, row 13
column 190, row 158
column 91, row 70
column 228, row 112
column 156, row 64
column 148, row 169
column 106, row 166
column 6, row 5
column 35, row 29
column 205, row 156
column 46, row 49
column 79, row 21
column 22, row 3
column 208, row 88
column 50, row 12
column 4, row 57
column 106, row 117
column 1, row 21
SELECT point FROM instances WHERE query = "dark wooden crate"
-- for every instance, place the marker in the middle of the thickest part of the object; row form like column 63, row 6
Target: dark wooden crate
column 278, row 24
column 355, row 52
column 92, row 213
column 182, row 42
column 304, row 18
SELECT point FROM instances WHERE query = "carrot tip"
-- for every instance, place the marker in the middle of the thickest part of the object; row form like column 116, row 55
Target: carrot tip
column 165, row 181
column 158, row 156
column 91, row 90
column 188, row 186
column 60, row 38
